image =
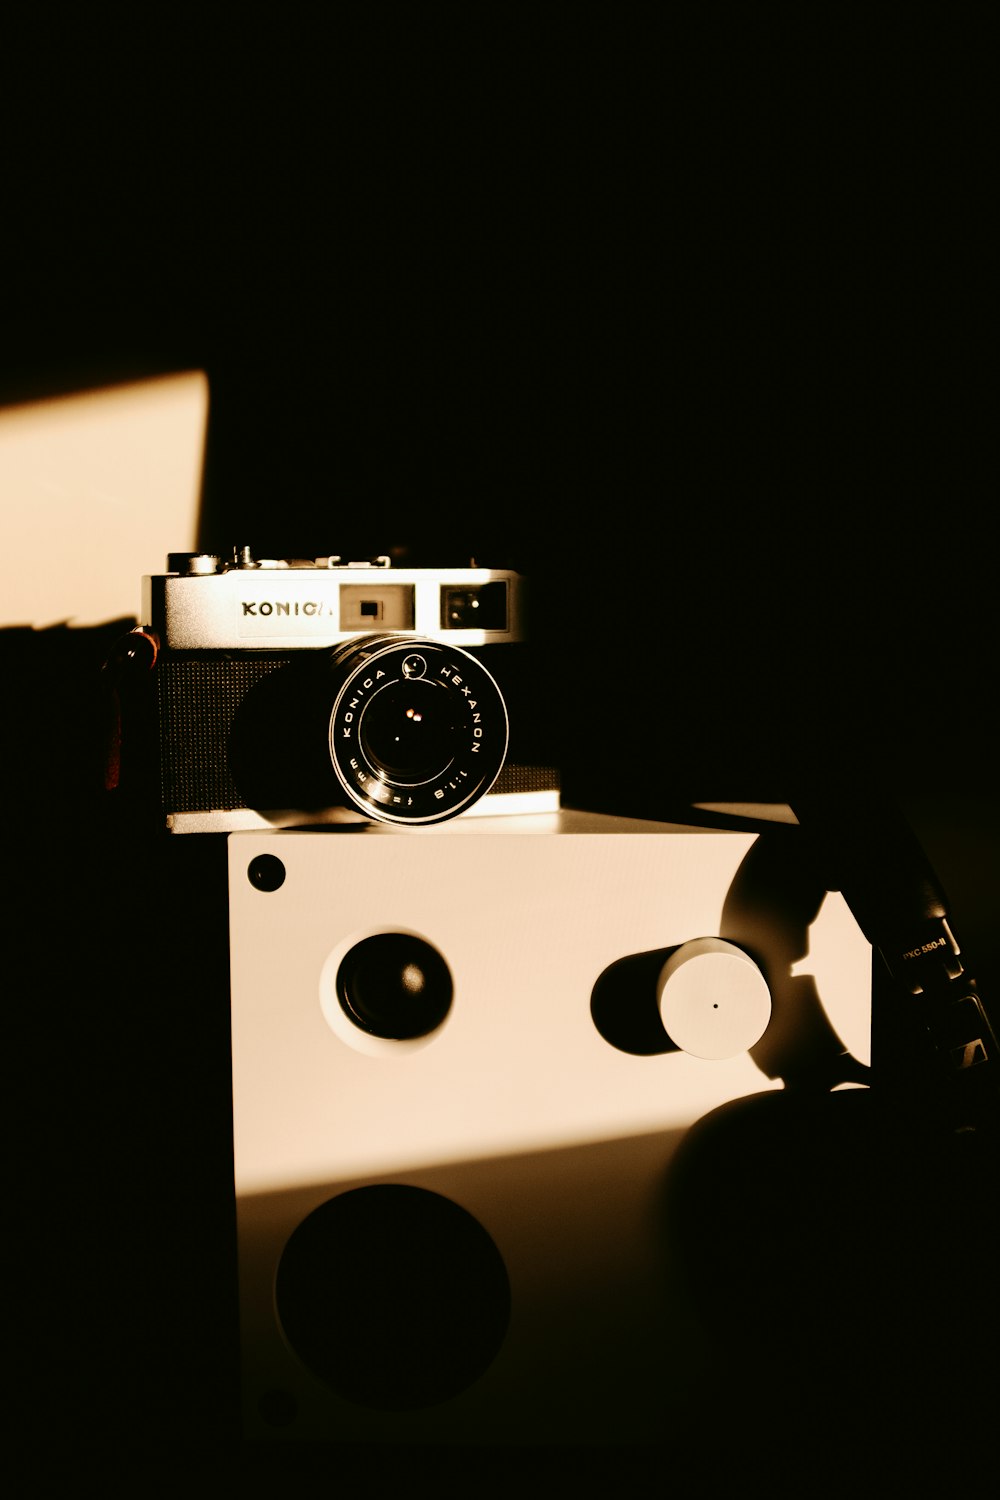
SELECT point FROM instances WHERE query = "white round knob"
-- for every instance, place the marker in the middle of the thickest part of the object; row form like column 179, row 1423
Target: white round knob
column 714, row 1001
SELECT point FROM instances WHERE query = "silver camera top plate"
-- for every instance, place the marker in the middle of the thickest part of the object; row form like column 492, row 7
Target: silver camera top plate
column 208, row 604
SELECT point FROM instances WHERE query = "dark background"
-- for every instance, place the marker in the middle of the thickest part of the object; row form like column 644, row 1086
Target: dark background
column 692, row 324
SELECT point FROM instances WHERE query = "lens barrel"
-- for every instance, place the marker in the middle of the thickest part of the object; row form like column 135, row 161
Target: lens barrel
column 418, row 729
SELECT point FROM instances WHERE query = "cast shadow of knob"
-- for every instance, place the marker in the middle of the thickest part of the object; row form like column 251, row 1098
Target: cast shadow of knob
column 769, row 908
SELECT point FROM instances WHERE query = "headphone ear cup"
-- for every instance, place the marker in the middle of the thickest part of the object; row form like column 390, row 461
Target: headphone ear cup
column 765, row 1199
column 850, row 1232
column 812, row 1236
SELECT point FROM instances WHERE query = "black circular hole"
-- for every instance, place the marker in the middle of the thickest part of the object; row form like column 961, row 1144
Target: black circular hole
column 394, row 985
column 266, row 872
column 394, row 1296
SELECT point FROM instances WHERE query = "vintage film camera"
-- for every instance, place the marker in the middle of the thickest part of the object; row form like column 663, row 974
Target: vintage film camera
column 281, row 693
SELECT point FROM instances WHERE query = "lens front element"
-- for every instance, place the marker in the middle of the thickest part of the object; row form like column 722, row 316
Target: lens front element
column 418, row 731
column 410, row 731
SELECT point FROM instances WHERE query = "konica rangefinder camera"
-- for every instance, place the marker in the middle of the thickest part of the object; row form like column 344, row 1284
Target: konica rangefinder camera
column 285, row 693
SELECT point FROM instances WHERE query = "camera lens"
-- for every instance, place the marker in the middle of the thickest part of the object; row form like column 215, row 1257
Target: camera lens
column 400, row 728
column 410, row 730
column 418, row 729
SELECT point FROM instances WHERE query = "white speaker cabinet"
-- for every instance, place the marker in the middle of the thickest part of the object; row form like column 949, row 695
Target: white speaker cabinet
column 458, row 1232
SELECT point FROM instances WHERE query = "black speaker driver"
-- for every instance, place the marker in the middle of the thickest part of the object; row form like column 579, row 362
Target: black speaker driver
column 396, row 1297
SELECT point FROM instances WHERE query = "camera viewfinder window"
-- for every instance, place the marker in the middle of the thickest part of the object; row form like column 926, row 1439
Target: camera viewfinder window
column 481, row 607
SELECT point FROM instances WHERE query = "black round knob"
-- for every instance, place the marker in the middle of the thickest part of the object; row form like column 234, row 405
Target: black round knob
column 395, row 985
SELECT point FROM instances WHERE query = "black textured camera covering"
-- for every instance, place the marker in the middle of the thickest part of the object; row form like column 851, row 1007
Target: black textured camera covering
column 198, row 698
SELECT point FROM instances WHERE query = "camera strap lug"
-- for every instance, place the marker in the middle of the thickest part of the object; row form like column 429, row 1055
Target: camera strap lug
column 128, row 666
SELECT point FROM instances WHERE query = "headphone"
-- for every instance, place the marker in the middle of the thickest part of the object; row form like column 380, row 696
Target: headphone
column 852, row 1230
column 934, row 1045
